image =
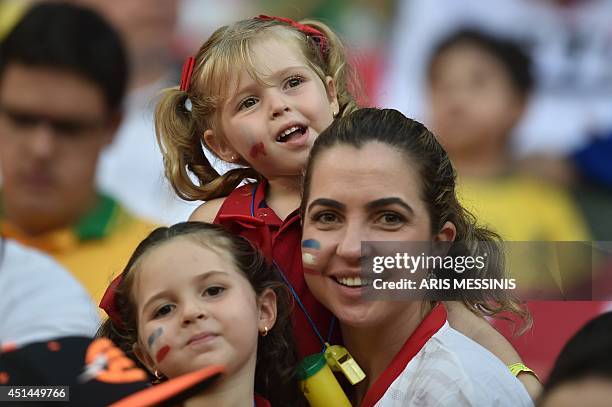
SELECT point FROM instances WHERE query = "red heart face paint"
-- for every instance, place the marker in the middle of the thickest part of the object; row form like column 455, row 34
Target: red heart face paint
column 162, row 353
column 257, row 150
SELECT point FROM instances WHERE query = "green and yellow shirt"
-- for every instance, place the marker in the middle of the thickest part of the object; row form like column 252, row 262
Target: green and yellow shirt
column 96, row 248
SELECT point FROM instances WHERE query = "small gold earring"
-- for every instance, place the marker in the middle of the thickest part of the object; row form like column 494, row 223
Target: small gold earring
column 265, row 332
column 234, row 158
column 336, row 115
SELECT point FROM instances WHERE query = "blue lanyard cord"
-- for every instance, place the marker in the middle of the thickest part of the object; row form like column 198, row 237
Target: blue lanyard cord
column 295, row 295
column 253, row 200
column 302, row 307
column 331, row 330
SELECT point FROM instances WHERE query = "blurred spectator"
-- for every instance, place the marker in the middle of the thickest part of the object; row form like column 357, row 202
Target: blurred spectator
column 480, row 85
column 40, row 300
column 198, row 19
column 588, row 173
column 147, row 29
column 569, row 43
column 582, row 374
column 591, row 163
column 10, row 12
column 132, row 168
column 594, row 160
column 62, row 79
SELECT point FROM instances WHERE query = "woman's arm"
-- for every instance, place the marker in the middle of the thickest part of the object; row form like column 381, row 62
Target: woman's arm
column 479, row 330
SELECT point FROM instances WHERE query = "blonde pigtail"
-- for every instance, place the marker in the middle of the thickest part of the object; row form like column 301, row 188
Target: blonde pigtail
column 180, row 146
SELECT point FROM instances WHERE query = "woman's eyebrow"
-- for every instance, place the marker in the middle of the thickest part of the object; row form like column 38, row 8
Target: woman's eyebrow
column 327, row 202
column 389, row 201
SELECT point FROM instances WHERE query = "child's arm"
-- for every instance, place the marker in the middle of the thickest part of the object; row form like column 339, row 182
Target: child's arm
column 480, row 331
column 207, row 211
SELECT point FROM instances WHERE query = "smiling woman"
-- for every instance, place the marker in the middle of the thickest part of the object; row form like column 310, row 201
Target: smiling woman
column 194, row 296
column 353, row 193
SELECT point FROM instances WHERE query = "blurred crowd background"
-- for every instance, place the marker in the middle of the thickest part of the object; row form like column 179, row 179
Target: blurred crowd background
column 519, row 92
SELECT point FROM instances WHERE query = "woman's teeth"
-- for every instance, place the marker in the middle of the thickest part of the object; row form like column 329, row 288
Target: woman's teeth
column 353, row 281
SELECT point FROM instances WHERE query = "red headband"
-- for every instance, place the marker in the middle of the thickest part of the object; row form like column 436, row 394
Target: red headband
column 109, row 304
column 186, row 73
column 311, row 32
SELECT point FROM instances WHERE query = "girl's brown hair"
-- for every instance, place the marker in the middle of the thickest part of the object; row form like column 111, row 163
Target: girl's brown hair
column 179, row 131
column 437, row 178
column 276, row 353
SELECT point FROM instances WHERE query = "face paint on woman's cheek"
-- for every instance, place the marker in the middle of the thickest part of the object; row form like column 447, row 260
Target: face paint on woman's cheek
column 310, row 251
column 316, row 255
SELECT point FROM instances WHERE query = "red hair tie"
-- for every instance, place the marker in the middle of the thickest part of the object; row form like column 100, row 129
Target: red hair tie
column 186, row 73
column 109, row 304
column 312, row 32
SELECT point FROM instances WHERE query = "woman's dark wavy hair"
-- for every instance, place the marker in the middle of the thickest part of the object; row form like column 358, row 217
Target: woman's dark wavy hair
column 437, row 178
column 277, row 358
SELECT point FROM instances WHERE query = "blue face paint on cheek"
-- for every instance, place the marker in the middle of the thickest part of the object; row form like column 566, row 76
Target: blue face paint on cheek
column 311, row 244
column 154, row 336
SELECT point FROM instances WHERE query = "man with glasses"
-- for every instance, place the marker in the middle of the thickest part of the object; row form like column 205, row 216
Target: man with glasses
column 63, row 74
